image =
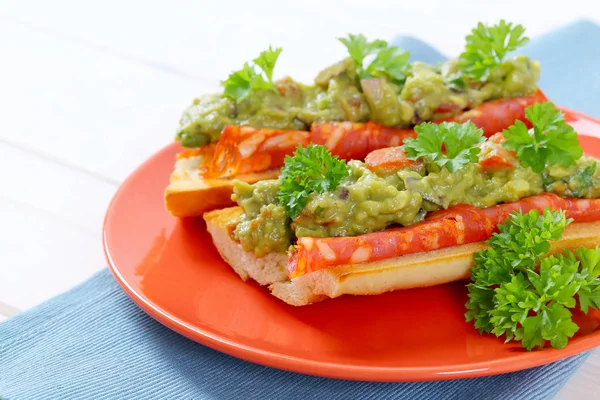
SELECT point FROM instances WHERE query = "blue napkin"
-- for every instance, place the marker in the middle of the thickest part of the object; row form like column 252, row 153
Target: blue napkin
column 94, row 343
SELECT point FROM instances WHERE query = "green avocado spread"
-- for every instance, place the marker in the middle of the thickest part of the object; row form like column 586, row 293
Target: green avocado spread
column 367, row 202
column 337, row 94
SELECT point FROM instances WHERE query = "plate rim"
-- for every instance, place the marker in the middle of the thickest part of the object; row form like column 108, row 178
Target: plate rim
column 356, row 372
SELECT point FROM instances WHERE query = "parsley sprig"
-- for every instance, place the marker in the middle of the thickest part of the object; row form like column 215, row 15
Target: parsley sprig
column 551, row 141
column 519, row 291
column 377, row 59
column 310, row 169
column 243, row 82
column 487, row 46
column 460, row 142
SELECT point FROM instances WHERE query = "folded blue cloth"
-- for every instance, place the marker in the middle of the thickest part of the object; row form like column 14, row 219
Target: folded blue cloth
column 94, row 343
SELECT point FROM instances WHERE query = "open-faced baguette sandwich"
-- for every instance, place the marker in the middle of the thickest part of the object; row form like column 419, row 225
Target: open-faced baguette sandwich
column 409, row 216
column 353, row 108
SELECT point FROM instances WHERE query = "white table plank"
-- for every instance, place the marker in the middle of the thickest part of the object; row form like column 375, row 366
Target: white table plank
column 7, row 310
column 41, row 255
column 71, row 195
column 51, row 227
column 84, row 107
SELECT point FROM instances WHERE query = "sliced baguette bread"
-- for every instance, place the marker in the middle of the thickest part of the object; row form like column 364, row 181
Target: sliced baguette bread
column 264, row 270
column 371, row 278
column 190, row 195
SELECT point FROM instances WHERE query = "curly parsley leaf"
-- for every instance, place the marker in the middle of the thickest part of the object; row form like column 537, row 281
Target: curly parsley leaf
column 310, row 169
column 553, row 323
column 359, row 47
column 550, row 141
column 557, row 279
column 590, row 260
column 479, row 305
column 388, row 62
column 240, row 84
column 589, row 293
column 487, row 46
column 449, row 144
column 519, row 291
column 512, row 304
column 267, row 60
column 519, row 242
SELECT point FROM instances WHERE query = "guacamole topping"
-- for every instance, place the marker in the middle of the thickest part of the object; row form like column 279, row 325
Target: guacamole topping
column 366, row 201
column 338, row 94
column 264, row 226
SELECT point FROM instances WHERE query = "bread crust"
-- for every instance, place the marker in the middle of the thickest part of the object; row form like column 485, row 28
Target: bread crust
column 264, row 270
column 370, row 278
column 190, row 195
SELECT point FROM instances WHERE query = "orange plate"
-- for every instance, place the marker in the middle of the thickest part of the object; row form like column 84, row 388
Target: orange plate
column 171, row 269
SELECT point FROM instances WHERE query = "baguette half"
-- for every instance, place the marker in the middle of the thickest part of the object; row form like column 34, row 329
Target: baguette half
column 265, row 270
column 190, row 195
column 370, row 278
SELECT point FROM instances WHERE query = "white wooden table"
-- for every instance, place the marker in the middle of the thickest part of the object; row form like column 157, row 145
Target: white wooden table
column 89, row 90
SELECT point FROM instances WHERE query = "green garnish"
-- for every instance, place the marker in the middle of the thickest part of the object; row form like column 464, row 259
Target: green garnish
column 487, row 46
column 241, row 83
column 388, row 62
column 460, row 141
column 551, row 141
column 520, row 291
column 310, row 169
